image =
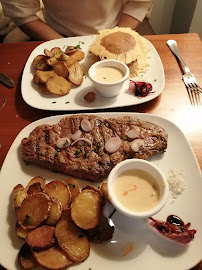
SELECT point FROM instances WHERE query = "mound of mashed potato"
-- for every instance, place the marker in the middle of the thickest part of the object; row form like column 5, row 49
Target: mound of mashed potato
column 123, row 44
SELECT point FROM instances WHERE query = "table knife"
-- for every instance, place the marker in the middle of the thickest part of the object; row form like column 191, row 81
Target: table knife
column 7, row 80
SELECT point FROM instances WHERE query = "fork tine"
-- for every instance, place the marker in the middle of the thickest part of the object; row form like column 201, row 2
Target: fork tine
column 190, row 95
column 195, row 93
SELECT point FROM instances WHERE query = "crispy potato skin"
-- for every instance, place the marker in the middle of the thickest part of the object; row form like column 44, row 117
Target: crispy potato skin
column 41, row 237
column 26, row 258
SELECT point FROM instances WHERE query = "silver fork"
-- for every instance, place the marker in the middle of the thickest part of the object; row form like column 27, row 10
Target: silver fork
column 189, row 79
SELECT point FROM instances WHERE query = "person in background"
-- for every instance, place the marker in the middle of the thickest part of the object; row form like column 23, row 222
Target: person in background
column 66, row 18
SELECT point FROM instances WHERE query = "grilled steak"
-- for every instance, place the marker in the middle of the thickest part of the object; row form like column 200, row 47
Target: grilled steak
column 88, row 158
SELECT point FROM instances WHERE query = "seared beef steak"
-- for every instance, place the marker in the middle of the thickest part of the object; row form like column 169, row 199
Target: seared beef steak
column 88, row 159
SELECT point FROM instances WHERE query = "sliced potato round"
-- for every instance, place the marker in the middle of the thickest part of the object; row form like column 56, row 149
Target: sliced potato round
column 55, row 212
column 39, row 62
column 51, row 61
column 36, row 179
column 61, row 69
column 102, row 232
column 57, row 85
column 43, row 89
column 104, row 191
column 77, row 55
column 18, row 195
column 45, row 75
column 22, row 233
column 35, row 188
column 72, row 240
column 73, row 187
column 36, row 79
column 48, row 53
column 57, row 52
column 41, row 237
column 70, row 49
column 52, row 258
column 75, row 74
column 66, row 214
column 59, row 190
column 34, row 210
column 26, row 258
column 87, row 208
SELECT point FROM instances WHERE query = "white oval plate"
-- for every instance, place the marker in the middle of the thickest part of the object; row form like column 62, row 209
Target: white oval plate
column 150, row 251
column 75, row 101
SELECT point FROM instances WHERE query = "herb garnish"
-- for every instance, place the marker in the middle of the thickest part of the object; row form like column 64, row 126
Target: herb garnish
column 71, row 185
column 26, row 221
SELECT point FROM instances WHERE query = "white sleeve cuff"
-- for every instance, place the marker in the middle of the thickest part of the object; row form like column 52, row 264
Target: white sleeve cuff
column 137, row 9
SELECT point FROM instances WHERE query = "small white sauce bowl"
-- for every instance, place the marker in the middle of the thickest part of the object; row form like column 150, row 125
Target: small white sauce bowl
column 143, row 165
column 108, row 89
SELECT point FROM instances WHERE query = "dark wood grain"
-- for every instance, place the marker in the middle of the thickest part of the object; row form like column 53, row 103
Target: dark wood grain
column 173, row 104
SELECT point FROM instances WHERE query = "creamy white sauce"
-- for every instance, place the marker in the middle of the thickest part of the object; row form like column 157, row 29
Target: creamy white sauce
column 137, row 190
column 108, row 74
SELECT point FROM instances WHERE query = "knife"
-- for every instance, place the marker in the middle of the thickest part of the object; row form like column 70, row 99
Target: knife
column 7, row 80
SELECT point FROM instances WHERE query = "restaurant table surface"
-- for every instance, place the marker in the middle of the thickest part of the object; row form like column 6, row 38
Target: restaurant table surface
column 173, row 103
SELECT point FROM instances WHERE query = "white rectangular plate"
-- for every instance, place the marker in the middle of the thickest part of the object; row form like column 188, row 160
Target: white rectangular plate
column 149, row 249
column 75, row 101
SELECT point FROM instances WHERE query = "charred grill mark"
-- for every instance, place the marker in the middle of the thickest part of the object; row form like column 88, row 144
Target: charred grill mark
column 72, row 125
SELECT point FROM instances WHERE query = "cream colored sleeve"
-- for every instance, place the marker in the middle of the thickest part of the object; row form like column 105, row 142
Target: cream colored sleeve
column 137, row 9
column 21, row 11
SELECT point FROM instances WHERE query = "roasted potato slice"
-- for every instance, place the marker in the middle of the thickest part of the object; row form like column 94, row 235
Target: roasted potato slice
column 51, row 61
column 59, row 190
column 55, row 212
column 43, row 89
column 26, row 258
column 45, row 75
column 40, row 63
column 61, row 69
column 34, row 210
column 57, row 85
column 36, row 179
column 70, row 49
column 57, row 52
column 41, row 237
column 87, row 208
column 72, row 240
column 36, row 79
column 66, row 214
column 63, row 58
column 18, row 194
column 75, row 74
column 73, row 187
column 102, row 232
column 48, row 53
column 77, row 55
column 52, row 258
column 22, row 233
column 104, row 191
column 35, row 188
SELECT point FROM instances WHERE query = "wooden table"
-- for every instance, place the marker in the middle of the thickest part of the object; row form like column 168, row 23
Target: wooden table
column 173, row 104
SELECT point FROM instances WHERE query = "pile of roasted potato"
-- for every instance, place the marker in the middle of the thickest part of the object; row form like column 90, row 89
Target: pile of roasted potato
column 56, row 70
column 57, row 221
